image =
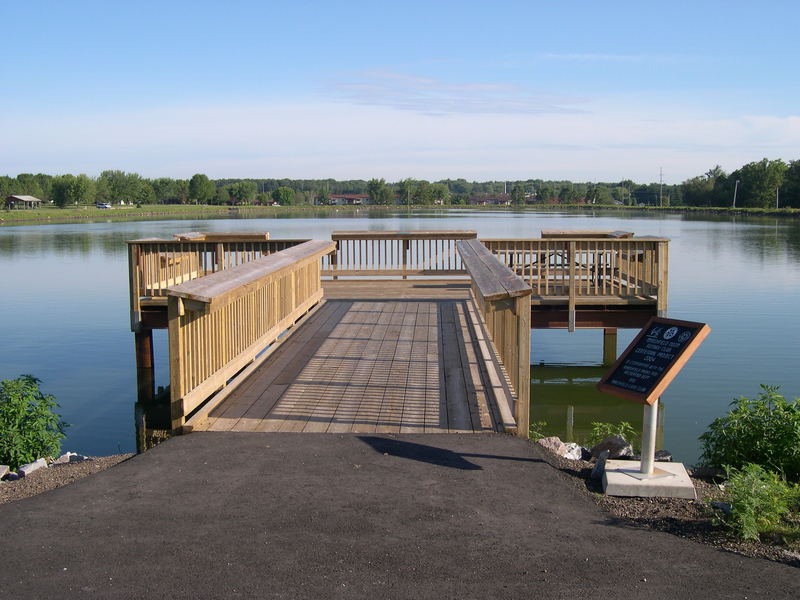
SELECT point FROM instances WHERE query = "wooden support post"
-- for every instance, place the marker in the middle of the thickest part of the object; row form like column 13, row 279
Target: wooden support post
column 145, row 378
column 406, row 246
column 663, row 270
column 609, row 346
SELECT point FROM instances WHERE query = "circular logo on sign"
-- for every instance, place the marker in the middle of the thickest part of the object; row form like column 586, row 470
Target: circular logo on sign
column 670, row 333
column 684, row 336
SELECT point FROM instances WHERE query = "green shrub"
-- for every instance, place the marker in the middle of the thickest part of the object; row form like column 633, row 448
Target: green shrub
column 601, row 431
column 29, row 427
column 764, row 431
column 760, row 500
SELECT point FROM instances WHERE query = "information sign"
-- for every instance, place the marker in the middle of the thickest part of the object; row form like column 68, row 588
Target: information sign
column 653, row 359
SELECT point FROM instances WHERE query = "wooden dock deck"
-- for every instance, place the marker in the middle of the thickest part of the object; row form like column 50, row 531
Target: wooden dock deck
column 375, row 331
column 401, row 359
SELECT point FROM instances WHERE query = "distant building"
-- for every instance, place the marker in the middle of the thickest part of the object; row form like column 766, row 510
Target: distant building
column 349, row 199
column 19, row 201
column 497, row 200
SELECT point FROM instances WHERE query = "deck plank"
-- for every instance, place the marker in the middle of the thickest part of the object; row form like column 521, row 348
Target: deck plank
column 399, row 359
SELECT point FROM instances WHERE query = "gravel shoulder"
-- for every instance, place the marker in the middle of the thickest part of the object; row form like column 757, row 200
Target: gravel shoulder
column 690, row 519
column 55, row 476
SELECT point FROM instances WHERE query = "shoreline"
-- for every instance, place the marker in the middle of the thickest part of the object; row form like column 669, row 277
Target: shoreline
column 63, row 216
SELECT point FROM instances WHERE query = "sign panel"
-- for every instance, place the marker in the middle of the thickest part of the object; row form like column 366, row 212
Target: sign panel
column 653, row 359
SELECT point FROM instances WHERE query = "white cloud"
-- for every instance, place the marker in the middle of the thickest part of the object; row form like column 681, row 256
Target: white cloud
column 329, row 139
column 432, row 96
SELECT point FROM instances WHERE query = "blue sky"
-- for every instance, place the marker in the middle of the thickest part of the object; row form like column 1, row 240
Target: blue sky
column 498, row 90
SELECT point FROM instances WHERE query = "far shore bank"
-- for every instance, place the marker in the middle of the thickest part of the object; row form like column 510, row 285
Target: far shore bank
column 48, row 216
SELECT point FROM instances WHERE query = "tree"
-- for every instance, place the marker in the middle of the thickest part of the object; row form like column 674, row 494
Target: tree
column 379, row 192
column 68, row 190
column 324, row 197
column 440, row 193
column 790, row 193
column 283, row 196
column 758, row 182
column 223, row 196
column 405, row 187
column 164, row 189
column 517, row 195
column 116, row 187
column 423, row 193
column 201, row 190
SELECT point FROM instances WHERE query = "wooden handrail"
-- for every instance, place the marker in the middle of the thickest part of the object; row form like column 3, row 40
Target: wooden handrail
column 503, row 300
column 404, row 235
column 220, row 323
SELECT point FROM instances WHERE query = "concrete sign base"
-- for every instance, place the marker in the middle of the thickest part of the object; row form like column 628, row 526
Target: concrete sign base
column 669, row 480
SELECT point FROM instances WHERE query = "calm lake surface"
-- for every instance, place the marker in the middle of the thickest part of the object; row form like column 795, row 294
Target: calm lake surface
column 65, row 317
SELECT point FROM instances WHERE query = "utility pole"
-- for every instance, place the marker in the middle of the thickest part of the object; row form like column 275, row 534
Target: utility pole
column 661, row 186
column 777, row 196
column 735, row 189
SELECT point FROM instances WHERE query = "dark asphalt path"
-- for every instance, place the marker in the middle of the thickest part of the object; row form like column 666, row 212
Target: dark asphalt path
column 227, row 515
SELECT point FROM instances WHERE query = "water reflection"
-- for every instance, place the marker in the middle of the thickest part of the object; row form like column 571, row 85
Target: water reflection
column 565, row 397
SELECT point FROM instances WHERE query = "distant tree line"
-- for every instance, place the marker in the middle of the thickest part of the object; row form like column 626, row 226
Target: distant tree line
column 761, row 184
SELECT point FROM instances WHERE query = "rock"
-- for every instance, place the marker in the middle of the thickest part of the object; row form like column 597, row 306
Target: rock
column 573, row 451
column 663, row 456
column 616, row 445
column 586, row 454
column 12, row 476
column 26, row 470
column 554, row 445
column 70, row 457
column 599, row 466
column 725, row 507
column 4, row 470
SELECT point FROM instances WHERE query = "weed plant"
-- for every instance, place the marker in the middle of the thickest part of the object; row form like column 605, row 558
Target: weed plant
column 601, row 430
column 29, row 426
column 761, row 501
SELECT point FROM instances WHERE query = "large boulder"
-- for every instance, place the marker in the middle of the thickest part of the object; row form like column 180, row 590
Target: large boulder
column 616, row 445
column 554, row 445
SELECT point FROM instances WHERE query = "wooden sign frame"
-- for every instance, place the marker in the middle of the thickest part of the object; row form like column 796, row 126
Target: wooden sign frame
column 698, row 332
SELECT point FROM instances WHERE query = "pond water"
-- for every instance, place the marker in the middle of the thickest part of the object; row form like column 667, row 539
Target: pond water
column 65, row 317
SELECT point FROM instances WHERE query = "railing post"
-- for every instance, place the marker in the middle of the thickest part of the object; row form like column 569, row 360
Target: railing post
column 663, row 285
column 175, row 362
column 134, row 272
column 572, row 292
column 219, row 256
column 406, row 246
column 523, row 309
column 335, row 259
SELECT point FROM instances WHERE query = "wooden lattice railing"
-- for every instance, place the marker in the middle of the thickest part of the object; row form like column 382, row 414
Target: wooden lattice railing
column 396, row 253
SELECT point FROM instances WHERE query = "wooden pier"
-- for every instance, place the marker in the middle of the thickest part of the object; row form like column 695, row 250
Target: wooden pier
column 375, row 331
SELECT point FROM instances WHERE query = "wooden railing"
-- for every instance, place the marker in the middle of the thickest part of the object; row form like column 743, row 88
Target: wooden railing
column 220, row 323
column 584, row 269
column 157, row 264
column 503, row 300
column 396, row 253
